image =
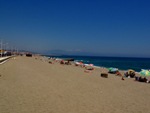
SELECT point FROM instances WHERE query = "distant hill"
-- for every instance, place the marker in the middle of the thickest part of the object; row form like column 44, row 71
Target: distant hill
column 63, row 52
column 25, row 51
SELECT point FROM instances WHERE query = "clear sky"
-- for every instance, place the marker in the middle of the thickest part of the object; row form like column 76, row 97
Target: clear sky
column 94, row 27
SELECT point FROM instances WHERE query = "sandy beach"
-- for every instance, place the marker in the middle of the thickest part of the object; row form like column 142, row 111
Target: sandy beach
column 29, row 85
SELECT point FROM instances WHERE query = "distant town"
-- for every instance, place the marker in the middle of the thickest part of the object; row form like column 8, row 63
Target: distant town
column 6, row 50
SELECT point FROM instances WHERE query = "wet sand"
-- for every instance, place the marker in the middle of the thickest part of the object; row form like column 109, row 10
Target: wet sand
column 29, row 85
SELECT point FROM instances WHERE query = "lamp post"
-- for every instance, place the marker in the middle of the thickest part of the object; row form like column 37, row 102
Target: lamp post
column 6, row 48
column 1, row 48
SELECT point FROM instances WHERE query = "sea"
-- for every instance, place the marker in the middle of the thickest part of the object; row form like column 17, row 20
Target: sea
column 122, row 63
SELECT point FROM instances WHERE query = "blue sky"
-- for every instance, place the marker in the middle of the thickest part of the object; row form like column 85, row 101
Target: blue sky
column 90, row 27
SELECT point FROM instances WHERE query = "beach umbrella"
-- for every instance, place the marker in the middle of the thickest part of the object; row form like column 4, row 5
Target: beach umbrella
column 131, row 71
column 111, row 69
column 145, row 73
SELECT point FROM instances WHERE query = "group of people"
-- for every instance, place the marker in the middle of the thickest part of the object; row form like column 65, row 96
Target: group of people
column 131, row 74
column 65, row 62
column 142, row 79
column 89, row 69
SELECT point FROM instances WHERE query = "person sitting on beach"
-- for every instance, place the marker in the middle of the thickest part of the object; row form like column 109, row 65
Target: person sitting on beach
column 68, row 63
column 119, row 74
column 126, row 74
column 136, row 78
column 61, row 62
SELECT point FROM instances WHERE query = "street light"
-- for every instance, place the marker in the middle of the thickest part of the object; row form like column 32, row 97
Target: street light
column 1, row 47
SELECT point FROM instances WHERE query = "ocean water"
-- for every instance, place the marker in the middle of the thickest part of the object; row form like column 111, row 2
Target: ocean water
column 121, row 63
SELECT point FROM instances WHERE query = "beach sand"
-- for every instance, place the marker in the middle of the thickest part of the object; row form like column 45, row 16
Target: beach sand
column 29, row 85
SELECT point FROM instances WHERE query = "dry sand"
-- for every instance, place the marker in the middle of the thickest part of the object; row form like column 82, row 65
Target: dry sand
column 28, row 85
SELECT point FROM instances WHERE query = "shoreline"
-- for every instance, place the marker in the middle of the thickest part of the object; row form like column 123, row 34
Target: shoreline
column 95, row 66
